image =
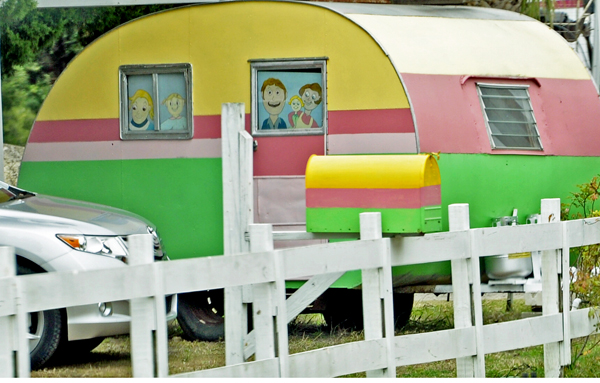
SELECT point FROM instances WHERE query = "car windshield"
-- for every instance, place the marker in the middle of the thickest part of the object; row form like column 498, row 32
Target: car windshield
column 10, row 193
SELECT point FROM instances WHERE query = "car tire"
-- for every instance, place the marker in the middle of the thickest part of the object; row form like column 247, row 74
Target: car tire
column 344, row 309
column 201, row 315
column 45, row 330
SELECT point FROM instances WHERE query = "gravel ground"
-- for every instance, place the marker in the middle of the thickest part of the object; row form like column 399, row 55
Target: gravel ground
column 12, row 162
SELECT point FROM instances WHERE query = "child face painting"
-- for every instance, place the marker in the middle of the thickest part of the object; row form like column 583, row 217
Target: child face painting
column 175, row 106
column 140, row 109
column 296, row 105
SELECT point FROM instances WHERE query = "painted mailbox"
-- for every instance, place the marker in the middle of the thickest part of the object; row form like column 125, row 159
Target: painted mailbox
column 405, row 189
column 134, row 120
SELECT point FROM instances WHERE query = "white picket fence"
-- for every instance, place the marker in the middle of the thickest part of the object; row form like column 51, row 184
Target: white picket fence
column 264, row 272
column 252, row 271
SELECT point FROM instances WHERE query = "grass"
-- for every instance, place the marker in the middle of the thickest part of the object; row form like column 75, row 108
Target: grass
column 308, row 332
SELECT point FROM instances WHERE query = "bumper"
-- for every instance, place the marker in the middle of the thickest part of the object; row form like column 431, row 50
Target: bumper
column 92, row 321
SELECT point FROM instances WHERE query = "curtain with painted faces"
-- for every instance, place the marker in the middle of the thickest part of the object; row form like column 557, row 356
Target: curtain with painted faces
column 141, row 103
column 165, row 111
column 289, row 99
column 173, row 105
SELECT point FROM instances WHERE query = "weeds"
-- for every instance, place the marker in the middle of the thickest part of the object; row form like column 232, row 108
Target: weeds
column 309, row 332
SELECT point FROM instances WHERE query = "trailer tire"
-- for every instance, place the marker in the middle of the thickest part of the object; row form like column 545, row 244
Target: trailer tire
column 344, row 309
column 201, row 315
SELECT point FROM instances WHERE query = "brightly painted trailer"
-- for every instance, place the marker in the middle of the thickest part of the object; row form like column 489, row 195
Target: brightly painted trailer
column 508, row 108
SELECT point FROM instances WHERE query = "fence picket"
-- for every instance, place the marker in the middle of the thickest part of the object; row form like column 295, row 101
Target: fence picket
column 261, row 239
column 565, row 282
column 7, row 323
column 142, row 312
column 458, row 217
column 376, row 324
column 237, row 214
column 550, row 212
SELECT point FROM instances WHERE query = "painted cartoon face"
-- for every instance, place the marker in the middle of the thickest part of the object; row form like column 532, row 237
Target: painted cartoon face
column 140, row 109
column 310, row 98
column 175, row 106
column 274, row 99
column 296, row 105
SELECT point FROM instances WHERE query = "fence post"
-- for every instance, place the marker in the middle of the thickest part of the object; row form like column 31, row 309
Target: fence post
column 550, row 212
column 377, row 294
column 236, row 153
column 565, row 283
column 16, row 323
column 7, row 323
column 142, row 312
column 462, row 277
column 261, row 239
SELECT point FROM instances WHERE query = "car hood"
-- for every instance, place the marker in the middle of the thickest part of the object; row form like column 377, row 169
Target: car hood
column 64, row 212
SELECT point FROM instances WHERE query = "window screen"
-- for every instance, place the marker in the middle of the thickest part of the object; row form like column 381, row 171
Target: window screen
column 509, row 117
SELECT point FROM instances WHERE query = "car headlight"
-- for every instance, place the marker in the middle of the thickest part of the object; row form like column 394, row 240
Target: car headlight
column 110, row 246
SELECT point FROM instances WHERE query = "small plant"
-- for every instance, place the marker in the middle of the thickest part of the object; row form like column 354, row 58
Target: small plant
column 585, row 276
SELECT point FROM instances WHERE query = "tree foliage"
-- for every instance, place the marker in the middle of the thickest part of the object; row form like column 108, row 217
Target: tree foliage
column 21, row 99
column 586, row 275
column 26, row 31
column 37, row 44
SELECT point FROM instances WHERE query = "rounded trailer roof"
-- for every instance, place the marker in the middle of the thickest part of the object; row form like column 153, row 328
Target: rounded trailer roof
column 471, row 41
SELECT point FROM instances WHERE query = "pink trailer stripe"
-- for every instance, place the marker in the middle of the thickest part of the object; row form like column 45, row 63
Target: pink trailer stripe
column 75, row 130
column 370, row 121
column 340, row 122
column 375, row 198
column 107, row 130
column 285, row 155
column 566, row 112
column 122, row 150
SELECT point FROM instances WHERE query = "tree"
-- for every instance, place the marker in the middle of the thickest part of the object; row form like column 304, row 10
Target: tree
column 37, row 44
column 21, row 99
column 26, row 30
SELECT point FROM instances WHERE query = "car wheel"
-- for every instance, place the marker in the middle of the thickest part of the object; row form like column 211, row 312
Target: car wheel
column 344, row 309
column 45, row 330
column 201, row 315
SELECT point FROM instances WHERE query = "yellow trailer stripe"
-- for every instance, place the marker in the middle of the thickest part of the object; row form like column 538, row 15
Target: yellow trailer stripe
column 218, row 40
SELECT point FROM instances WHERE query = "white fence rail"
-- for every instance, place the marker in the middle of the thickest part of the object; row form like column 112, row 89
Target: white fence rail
column 145, row 284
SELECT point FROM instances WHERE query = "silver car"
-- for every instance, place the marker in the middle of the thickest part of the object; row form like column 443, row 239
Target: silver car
column 57, row 234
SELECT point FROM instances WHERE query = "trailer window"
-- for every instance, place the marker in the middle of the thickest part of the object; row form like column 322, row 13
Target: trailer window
column 289, row 97
column 509, row 117
column 156, row 102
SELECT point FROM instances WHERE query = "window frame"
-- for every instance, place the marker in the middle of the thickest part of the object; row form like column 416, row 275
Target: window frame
column 155, row 70
column 282, row 65
column 491, row 135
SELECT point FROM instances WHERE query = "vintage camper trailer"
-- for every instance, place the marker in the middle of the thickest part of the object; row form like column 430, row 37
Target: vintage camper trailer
column 134, row 120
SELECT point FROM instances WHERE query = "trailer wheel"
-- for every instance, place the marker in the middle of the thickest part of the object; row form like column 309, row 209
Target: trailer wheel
column 201, row 315
column 344, row 309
